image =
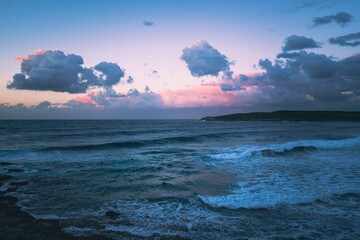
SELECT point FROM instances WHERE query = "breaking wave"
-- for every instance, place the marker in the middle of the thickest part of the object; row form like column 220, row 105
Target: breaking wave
column 288, row 147
column 265, row 182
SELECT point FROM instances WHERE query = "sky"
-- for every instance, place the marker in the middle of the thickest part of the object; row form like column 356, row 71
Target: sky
column 143, row 59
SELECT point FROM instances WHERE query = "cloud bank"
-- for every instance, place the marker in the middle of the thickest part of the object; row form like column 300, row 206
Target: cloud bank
column 46, row 70
column 109, row 98
column 303, row 81
column 295, row 80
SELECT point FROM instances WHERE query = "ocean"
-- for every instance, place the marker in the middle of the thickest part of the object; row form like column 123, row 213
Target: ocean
column 190, row 179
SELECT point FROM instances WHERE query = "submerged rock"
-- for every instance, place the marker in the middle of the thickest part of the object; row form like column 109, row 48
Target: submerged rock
column 112, row 214
column 17, row 224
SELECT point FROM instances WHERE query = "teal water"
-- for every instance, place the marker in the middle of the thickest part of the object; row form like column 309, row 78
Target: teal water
column 188, row 178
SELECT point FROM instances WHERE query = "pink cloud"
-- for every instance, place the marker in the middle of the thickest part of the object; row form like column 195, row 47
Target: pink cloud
column 36, row 52
column 88, row 99
column 199, row 96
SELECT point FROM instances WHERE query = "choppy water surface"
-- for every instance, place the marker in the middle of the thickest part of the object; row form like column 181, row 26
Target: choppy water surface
column 190, row 179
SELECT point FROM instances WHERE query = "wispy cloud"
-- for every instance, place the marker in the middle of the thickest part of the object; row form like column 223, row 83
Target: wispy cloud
column 148, row 23
column 341, row 18
column 350, row 40
column 300, row 5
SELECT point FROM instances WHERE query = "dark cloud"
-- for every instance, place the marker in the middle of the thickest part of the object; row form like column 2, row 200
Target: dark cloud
column 103, row 97
column 287, row 55
column 225, row 87
column 347, row 40
column 295, row 42
column 44, row 104
column 233, row 84
column 308, row 79
column 41, row 105
column 154, row 74
column 202, row 59
column 317, row 66
column 17, row 106
column 130, row 80
column 109, row 98
column 72, row 104
column 304, row 80
column 147, row 89
column 58, row 72
column 341, row 18
column 137, row 99
column 243, row 78
column 133, row 92
column 148, row 23
column 111, row 73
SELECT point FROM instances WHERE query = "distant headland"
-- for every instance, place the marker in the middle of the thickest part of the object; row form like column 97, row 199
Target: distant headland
column 284, row 115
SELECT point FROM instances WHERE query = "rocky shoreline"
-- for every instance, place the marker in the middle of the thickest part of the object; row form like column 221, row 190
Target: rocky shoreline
column 18, row 224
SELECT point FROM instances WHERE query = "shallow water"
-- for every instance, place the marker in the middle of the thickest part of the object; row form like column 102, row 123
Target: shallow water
column 188, row 178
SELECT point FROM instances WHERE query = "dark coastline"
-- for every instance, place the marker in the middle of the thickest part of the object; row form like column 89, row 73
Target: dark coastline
column 296, row 116
column 18, row 224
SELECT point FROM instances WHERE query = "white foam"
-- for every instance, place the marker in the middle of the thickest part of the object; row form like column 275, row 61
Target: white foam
column 168, row 217
column 262, row 198
column 265, row 198
column 267, row 182
column 249, row 150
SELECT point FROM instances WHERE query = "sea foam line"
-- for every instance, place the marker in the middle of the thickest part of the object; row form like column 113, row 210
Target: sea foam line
column 302, row 145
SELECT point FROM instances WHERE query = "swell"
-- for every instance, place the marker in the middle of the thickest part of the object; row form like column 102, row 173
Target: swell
column 106, row 133
column 125, row 144
column 134, row 133
column 141, row 143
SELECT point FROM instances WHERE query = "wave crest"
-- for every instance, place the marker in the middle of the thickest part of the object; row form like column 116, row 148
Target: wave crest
column 288, row 147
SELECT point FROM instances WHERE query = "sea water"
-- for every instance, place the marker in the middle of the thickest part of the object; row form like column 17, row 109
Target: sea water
column 189, row 178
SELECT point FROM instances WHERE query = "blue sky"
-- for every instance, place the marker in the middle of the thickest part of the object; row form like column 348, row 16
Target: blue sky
column 241, row 32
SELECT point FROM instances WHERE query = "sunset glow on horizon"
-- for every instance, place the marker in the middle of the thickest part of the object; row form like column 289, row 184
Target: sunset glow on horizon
column 126, row 56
